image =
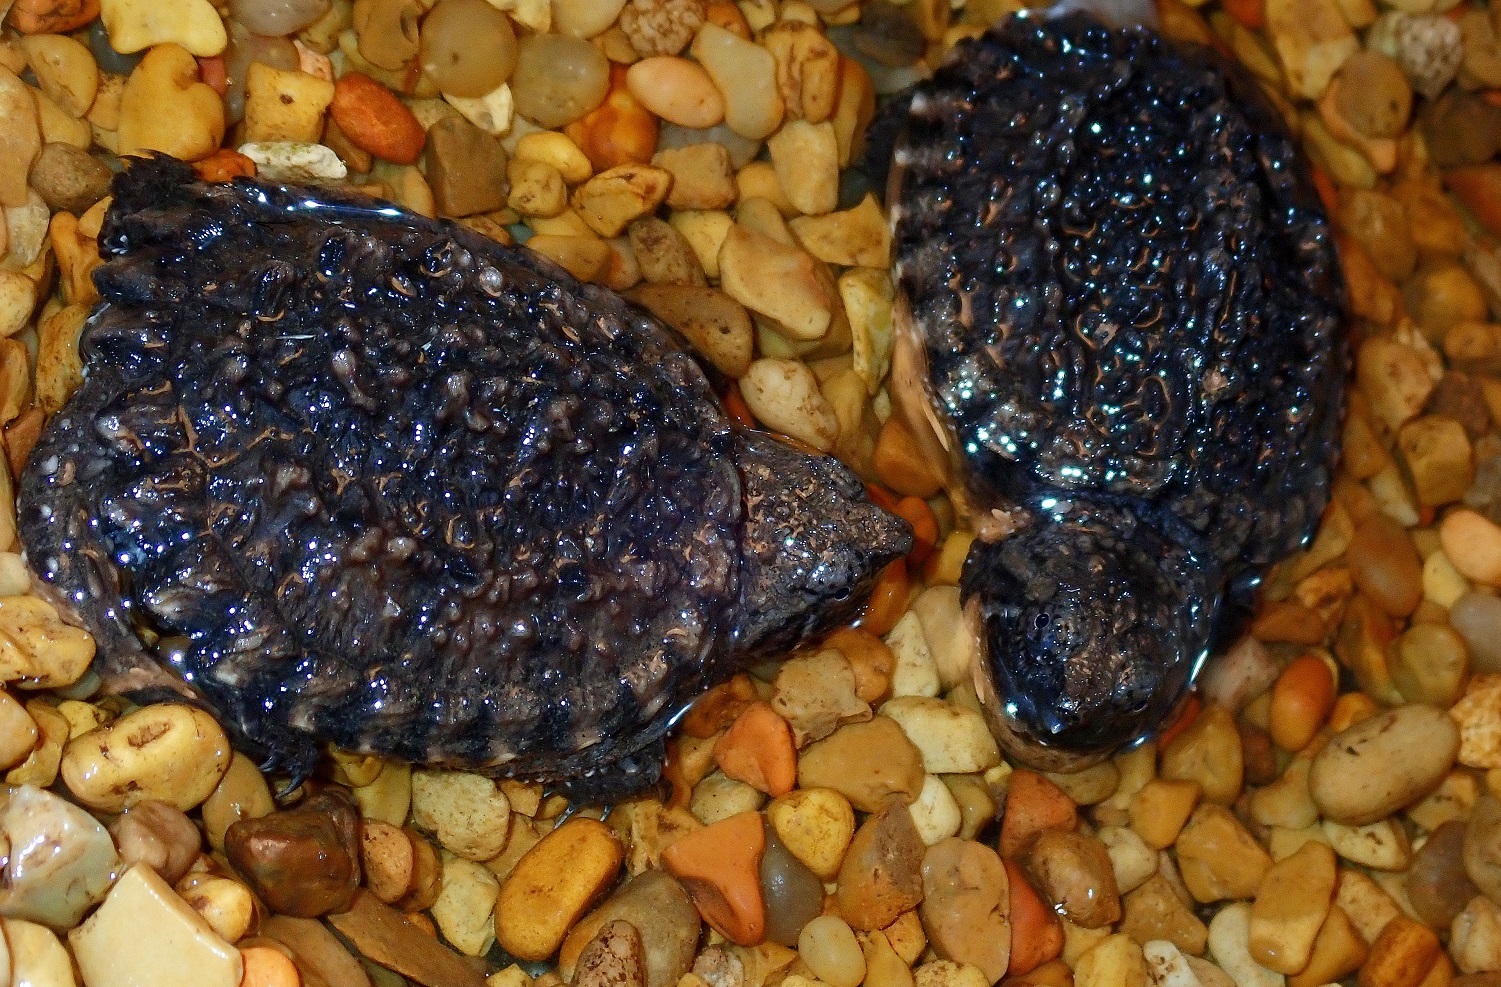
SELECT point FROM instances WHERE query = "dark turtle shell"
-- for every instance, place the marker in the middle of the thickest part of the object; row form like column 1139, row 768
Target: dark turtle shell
column 1125, row 311
column 361, row 478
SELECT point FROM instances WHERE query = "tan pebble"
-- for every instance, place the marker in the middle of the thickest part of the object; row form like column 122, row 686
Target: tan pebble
column 1290, row 908
column 1395, row 378
column 168, row 751
column 1074, row 871
column 778, row 280
column 881, row 876
column 466, row 901
column 785, row 397
column 1229, row 942
column 1167, row 966
column 1381, row 845
column 1209, row 753
column 1439, row 458
column 36, row 958
column 677, row 90
column 1218, row 857
column 134, row 25
column 1475, row 937
column 806, row 159
column 165, row 107
column 557, row 149
column 553, row 884
column 947, row 973
column 745, row 73
column 853, row 237
column 660, row 910
column 610, row 200
column 1160, row 809
column 966, row 905
column 1339, row 950
column 20, row 139
column 915, row 672
column 807, row 69
column 1365, row 903
column 1117, row 961
column 816, row 825
column 1473, row 545
column 719, row 796
column 703, row 178
column 815, row 693
column 867, row 763
column 284, row 105
column 952, row 737
column 613, row 958
column 1130, row 858
column 226, row 905
column 1478, row 714
column 468, row 813
column 145, row 933
column 1154, row 912
column 1383, row 764
column 240, row 794
column 828, row 946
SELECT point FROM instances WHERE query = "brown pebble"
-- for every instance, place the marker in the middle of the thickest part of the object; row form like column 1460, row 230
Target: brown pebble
column 1257, row 756
column 881, row 876
column 1385, row 565
column 302, row 862
column 1074, row 872
column 1460, row 397
column 613, row 958
column 69, row 179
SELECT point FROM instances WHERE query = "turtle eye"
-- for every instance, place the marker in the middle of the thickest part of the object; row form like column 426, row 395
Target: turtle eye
column 1091, row 625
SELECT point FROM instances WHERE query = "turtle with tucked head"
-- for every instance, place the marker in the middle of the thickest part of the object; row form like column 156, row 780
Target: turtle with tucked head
column 1119, row 331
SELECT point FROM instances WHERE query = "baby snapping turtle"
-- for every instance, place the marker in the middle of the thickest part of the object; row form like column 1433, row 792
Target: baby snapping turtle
column 349, row 475
column 1122, row 335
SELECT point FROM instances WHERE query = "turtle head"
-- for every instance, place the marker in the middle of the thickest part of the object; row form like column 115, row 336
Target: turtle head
column 1091, row 624
column 812, row 547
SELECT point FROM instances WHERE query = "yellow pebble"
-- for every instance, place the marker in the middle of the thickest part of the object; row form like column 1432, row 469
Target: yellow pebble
column 553, row 884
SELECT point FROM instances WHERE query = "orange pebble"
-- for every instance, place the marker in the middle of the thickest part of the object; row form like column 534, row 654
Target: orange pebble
column 900, row 464
column 1350, row 709
column 888, row 601
column 869, row 657
column 265, row 967
column 1301, row 701
column 1187, row 713
column 717, row 708
column 1402, row 955
column 726, row 14
column 1033, row 805
column 52, row 16
column 738, row 410
column 882, row 498
column 758, row 750
column 618, row 131
column 1036, row 933
column 214, row 73
column 376, row 121
column 916, row 512
column 672, row 770
column 1324, row 185
column 720, row 865
column 1288, row 621
column 223, row 165
column 1249, row 14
